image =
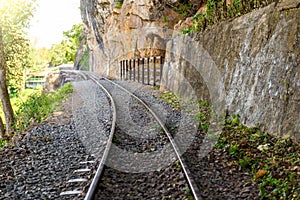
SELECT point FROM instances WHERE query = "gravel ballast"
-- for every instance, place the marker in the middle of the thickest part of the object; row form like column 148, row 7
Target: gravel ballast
column 42, row 162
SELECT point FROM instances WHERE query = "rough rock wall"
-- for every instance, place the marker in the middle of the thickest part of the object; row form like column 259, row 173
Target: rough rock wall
column 94, row 24
column 138, row 28
column 250, row 66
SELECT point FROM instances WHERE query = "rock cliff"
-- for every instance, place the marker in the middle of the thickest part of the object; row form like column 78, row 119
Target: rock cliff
column 249, row 65
column 120, row 30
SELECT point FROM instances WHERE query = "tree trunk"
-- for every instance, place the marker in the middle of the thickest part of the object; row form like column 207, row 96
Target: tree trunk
column 2, row 131
column 4, row 96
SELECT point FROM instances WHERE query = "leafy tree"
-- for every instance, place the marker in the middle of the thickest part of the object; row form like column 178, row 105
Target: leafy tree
column 15, row 18
column 15, row 49
column 41, row 58
column 65, row 52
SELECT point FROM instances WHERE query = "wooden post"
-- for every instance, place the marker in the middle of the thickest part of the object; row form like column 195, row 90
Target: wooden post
column 161, row 68
column 126, row 68
column 121, row 70
column 130, row 70
column 133, row 69
column 138, row 69
column 143, row 70
column 148, row 71
column 154, row 71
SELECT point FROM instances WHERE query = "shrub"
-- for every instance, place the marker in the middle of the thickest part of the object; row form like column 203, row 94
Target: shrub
column 39, row 105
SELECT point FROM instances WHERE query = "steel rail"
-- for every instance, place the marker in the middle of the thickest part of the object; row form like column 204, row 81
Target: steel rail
column 92, row 188
column 186, row 171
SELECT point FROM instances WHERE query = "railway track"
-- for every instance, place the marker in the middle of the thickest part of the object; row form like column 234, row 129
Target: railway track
column 63, row 156
column 130, row 167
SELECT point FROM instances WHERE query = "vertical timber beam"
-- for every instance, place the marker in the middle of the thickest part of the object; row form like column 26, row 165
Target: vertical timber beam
column 133, row 69
column 161, row 68
column 130, row 70
column 154, row 71
column 126, row 68
column 148, row 71
column 121, row 70
column 143, row 70
column 138, row 69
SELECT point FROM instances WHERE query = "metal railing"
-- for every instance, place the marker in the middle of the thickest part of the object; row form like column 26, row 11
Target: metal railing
column 145, row 70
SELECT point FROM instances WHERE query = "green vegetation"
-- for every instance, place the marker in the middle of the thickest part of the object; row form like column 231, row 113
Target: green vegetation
column 202, row 116
column 15, row 51
column 188, row 194
column 33, row 106
column 62, row 53
column 273, row 162
column 41, row 58
column 2, row 143
column 119, row 4
column 65, row 52
column 156, row 87
column 218, row 10
column 18, row 98
column 39, row 105
column 178, row 165
column 19, row 58
column 172, row 99
column 15, row 18
column 165, row 19
column 184, row 9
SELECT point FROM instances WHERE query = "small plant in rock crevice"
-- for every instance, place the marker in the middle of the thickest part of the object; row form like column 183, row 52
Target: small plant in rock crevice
column 118, row 4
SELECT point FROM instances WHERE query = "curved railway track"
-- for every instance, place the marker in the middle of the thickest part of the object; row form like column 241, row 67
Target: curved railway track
column 117, row 176
column 102, row 171
column 94, row 151
column 92, row 189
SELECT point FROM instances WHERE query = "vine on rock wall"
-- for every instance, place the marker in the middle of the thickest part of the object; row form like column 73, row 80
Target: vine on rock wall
column 219, row 10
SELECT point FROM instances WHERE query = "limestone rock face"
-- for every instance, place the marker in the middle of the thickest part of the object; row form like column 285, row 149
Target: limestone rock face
column 250, row 66
column 135, row 29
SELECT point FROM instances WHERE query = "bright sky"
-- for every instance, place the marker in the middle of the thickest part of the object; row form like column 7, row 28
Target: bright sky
column 51, row 19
